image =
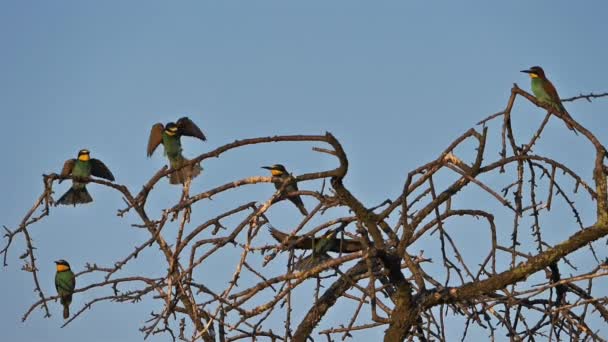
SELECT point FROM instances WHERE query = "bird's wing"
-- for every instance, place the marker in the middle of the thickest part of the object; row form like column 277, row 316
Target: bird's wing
column 189, row 128
column 99, row 169
column 72, row 283
column 557, row 102
column 67, row 167
column 293, row 183
column 62, row 287
column 156, row 137
column 551, row 91
column 346, row 246
column 64, row 284
column 340, row 245
column 278, row 235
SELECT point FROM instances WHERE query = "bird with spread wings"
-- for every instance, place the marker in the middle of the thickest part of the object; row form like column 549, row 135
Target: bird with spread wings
column 169, row 136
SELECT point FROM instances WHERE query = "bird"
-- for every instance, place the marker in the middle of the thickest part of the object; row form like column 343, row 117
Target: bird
column 337, row 246
column 545, row 92
column 170, row 136
column 65, row 282
column 83, row 167
column 327, row 242
column 279, row 171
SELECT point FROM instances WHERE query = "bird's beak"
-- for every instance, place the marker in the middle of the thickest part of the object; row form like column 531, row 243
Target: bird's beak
column 526, row 71
column 267, row 167
column 57, row 262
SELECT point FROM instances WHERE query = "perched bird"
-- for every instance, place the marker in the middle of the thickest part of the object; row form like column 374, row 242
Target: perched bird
column 84, row 166
column 319, row 246
column 279, row 171
column 170, row 136
column 65, row 284
column 335, row 245
column 328, row 243
column 545, row 92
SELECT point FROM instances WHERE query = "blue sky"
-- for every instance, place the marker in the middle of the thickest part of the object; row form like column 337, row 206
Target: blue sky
column 394, row 81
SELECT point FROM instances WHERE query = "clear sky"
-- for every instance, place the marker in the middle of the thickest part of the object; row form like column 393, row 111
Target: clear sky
column 395, row 81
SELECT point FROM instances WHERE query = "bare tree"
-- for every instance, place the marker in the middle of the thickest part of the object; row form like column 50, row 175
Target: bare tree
column 378, row 271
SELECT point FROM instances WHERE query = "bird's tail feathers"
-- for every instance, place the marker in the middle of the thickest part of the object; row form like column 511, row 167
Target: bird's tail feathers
column 302, row 209
column 567, row 115
column 560, row 107
column 66, row 311
column 298, row 202
column 75, row 196
column 570, row 127
column 182, row 175
column 66, row 301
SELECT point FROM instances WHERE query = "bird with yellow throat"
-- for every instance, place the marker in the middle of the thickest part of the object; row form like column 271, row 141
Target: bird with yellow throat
column 82, row 167
column 545, row 92
column 279, row 171
column 170, row 137
column 65, row 283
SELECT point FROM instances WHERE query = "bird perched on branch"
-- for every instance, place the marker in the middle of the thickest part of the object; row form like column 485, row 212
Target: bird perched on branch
column 328, row 242
column 279, row 171
column 170, row 136
column 83, row 167
column 545, row 92
column 65, row 282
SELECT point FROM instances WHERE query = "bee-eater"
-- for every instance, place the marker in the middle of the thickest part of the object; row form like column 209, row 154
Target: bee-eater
column 279, row 171
column 320, row 246
column 84, row 166
column 65, row 284
column 170, row 136
column 545, row 92
column 337, row 245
